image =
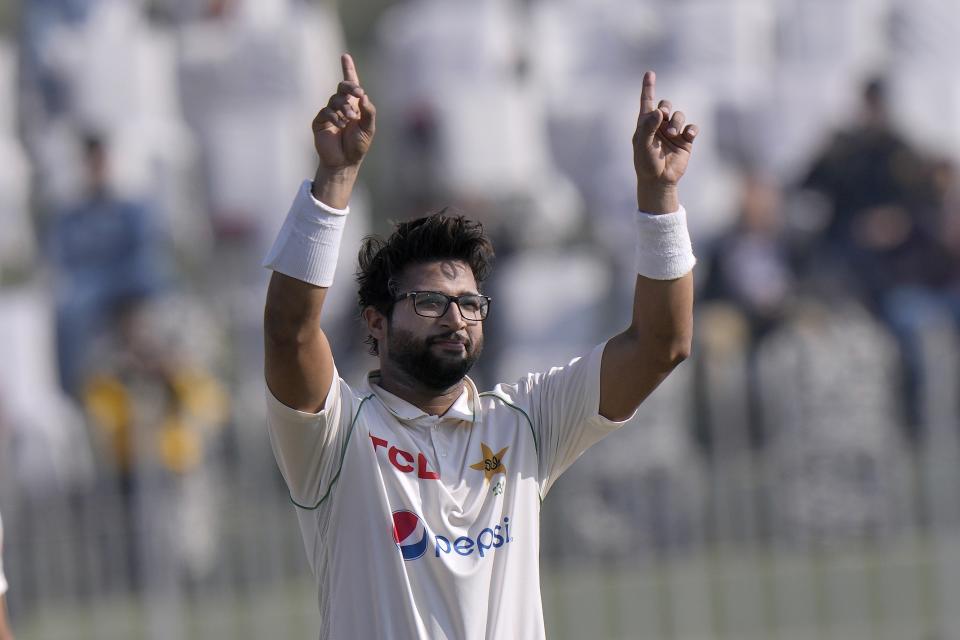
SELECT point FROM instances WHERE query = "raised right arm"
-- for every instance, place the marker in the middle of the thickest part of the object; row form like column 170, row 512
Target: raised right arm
column 298, row 364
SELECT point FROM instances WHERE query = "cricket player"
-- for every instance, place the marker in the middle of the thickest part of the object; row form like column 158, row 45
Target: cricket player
column 418, row 496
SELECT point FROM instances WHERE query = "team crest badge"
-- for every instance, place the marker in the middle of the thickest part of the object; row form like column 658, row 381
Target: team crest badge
column 492, row 463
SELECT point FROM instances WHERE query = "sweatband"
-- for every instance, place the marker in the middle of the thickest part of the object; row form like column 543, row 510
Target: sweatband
column 308, row 244
column 664, row 251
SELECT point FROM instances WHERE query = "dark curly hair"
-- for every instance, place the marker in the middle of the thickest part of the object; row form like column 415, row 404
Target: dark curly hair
column 439, row 236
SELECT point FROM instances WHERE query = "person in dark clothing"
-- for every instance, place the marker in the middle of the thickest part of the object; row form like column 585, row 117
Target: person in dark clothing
column 880, row 193
column 751, row 265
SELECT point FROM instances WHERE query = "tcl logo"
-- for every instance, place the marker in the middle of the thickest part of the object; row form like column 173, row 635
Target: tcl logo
column 404, row 460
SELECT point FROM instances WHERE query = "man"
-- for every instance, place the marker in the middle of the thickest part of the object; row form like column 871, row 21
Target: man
column 418, row 497
column 5, row 633
column 104, row 249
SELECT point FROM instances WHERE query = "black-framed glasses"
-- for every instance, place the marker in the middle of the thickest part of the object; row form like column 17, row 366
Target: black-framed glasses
column 433, row 304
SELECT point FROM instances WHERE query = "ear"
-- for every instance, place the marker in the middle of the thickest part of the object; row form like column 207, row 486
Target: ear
column 376, row 323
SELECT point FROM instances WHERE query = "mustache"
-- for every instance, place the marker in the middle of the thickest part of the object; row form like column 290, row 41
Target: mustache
column 451, row 337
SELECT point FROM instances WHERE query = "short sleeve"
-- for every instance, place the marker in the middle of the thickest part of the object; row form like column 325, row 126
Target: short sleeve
column 3, row 577
column 309, row 447
column 564, row 410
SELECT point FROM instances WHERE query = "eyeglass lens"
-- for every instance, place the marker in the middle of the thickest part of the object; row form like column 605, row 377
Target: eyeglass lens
column 435, row 305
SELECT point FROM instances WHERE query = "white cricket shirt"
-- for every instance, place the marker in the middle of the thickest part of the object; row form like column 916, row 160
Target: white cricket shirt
column 421, row 526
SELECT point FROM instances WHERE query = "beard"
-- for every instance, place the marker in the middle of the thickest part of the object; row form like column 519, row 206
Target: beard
column 415, row 357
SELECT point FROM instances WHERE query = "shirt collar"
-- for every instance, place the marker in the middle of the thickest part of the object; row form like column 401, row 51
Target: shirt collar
column 463, row 408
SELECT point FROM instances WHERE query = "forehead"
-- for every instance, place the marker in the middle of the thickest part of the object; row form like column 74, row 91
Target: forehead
column 449, row 276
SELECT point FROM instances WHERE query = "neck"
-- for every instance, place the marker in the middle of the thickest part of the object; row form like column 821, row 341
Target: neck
column 433, row 402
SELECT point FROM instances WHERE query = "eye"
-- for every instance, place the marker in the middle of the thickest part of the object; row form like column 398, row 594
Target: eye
column 431, row 302
column 471, row 303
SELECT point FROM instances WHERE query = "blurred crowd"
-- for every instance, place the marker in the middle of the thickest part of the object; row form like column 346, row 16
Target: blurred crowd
column 150, row 149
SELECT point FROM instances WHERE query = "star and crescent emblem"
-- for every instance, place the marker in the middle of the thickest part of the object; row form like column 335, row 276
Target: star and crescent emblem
column 492, row 463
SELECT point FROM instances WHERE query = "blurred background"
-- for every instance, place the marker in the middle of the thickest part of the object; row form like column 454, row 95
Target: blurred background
column 797, row 478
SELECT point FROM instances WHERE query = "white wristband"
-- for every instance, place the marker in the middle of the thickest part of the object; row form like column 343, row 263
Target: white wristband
column 664, row 251
column 308, row 244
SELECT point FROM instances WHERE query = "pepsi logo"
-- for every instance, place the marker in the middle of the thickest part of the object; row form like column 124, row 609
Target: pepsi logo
column 410, row 534
column 412, row 538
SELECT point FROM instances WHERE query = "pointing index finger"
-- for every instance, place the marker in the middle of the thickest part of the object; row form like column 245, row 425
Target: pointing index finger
column 648, row 93
column 349, row 70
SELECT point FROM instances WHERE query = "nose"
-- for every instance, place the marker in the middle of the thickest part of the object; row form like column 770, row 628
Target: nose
column 453, row 317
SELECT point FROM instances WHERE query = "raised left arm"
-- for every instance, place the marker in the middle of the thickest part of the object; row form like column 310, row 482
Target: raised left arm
column 637, row 360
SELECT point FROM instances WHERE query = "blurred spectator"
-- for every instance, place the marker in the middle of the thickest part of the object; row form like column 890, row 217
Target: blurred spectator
column 103, row 249
column 131, row 98
column 887, row 234
column 157, row 411
column 751, row 264
column 749, row 290
column 189, row 401
column 923, row 292
column 879, row 191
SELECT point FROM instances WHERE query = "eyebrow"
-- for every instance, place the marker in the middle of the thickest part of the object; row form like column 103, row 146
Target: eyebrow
column 461, row 293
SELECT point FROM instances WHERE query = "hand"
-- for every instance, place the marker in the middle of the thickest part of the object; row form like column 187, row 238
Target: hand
column 882, row 228
column 661, row 149
column 343, row 130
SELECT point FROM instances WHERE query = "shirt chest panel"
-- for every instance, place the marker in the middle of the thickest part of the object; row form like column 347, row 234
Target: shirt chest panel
column 454, row 473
